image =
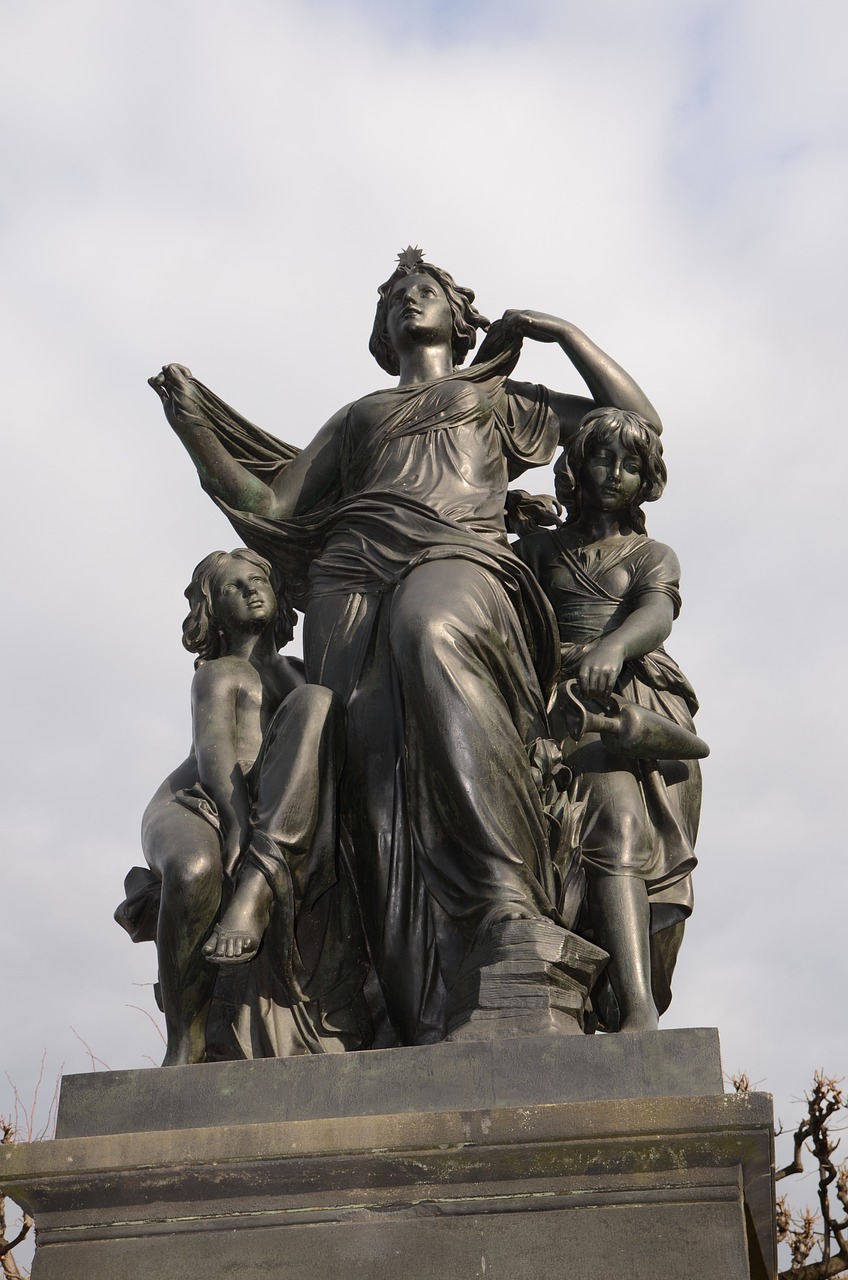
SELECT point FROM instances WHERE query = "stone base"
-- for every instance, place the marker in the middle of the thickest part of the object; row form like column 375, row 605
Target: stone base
column 584, row 1158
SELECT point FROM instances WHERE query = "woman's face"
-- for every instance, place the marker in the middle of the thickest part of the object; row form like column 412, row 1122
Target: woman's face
column 418, row 311
column 611, row 477
column 242, row 597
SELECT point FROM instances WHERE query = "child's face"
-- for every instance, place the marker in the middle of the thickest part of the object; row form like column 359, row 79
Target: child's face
column 611, row 476
column 242, row 597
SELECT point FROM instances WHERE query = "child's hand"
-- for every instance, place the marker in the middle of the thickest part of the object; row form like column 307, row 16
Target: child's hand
column 600, row 668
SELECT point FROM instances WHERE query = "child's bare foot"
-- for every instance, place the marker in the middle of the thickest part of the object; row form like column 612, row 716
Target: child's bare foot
column 238, row 936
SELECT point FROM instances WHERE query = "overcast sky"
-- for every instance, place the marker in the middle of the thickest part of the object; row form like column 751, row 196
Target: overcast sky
column 225, row 184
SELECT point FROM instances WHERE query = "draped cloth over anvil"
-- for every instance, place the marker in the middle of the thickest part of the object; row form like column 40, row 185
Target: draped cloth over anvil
column 441, row 644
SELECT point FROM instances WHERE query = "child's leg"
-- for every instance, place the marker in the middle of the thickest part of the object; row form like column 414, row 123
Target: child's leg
column 294, row 821
column 185, row 851
column 621, row 920
column 617, row 849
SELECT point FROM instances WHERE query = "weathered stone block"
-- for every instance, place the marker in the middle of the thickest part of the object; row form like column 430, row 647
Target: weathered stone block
column 495, row 1161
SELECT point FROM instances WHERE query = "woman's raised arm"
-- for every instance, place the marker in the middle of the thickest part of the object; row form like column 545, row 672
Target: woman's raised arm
column 298, row 486
column 609, row 384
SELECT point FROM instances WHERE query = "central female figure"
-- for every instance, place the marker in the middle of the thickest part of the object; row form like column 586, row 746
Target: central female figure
column 439, row 641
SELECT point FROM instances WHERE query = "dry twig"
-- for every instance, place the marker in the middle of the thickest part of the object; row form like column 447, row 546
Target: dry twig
column 826, row 1231
column 10, row 1268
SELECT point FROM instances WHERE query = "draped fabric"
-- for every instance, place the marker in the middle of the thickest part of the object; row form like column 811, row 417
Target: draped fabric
column 442, row 645
column 592, row 590
column 261, row 453
column 303, row 992
column 432, row 482
column 640, row 816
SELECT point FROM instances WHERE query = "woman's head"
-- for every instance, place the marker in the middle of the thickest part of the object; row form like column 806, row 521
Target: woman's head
column 232, row 590
column 466, row 318
column 616, row 432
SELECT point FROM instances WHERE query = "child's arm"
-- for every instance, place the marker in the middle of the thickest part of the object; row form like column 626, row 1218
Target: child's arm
column 641, row 631
column 214, row 694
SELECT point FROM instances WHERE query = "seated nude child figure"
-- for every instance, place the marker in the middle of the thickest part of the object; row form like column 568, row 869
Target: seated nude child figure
column 623, row 708
column 248, row 819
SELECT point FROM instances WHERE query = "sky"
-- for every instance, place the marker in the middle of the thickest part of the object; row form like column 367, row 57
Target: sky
column 225, row 185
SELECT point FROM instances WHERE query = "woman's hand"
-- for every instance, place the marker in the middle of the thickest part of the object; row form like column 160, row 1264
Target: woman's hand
column 531, row 324
column 175, row 388
column 600, row 668
column 513, row 327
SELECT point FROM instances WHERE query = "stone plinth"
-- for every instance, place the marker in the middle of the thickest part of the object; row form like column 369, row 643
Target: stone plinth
column 578, row 1157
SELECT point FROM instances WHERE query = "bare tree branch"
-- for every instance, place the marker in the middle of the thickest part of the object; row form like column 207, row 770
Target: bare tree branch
column 95, row 1061
column 824, row 1231
column 10, row 1268
column 149, row 1015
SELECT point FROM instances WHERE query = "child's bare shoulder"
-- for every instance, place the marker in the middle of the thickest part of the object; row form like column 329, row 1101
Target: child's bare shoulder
column 536, row 548
column 223, row 675
column 538, row 544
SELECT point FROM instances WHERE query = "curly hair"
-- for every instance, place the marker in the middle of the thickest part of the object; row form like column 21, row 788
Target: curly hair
column 466, row 318
column 203, row 634
column 600, row 427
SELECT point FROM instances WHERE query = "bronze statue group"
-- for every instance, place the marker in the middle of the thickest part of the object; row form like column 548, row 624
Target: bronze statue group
column 364, row 850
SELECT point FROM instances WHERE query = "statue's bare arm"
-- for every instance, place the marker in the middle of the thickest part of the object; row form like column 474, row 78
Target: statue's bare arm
column 609, row 385
column 299, row 486
column 642, row 630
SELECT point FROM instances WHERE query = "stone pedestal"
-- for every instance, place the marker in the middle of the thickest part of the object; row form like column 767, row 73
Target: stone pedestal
column 578, row 1157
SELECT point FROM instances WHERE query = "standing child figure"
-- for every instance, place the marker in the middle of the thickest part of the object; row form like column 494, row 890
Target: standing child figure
column 623, row 707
